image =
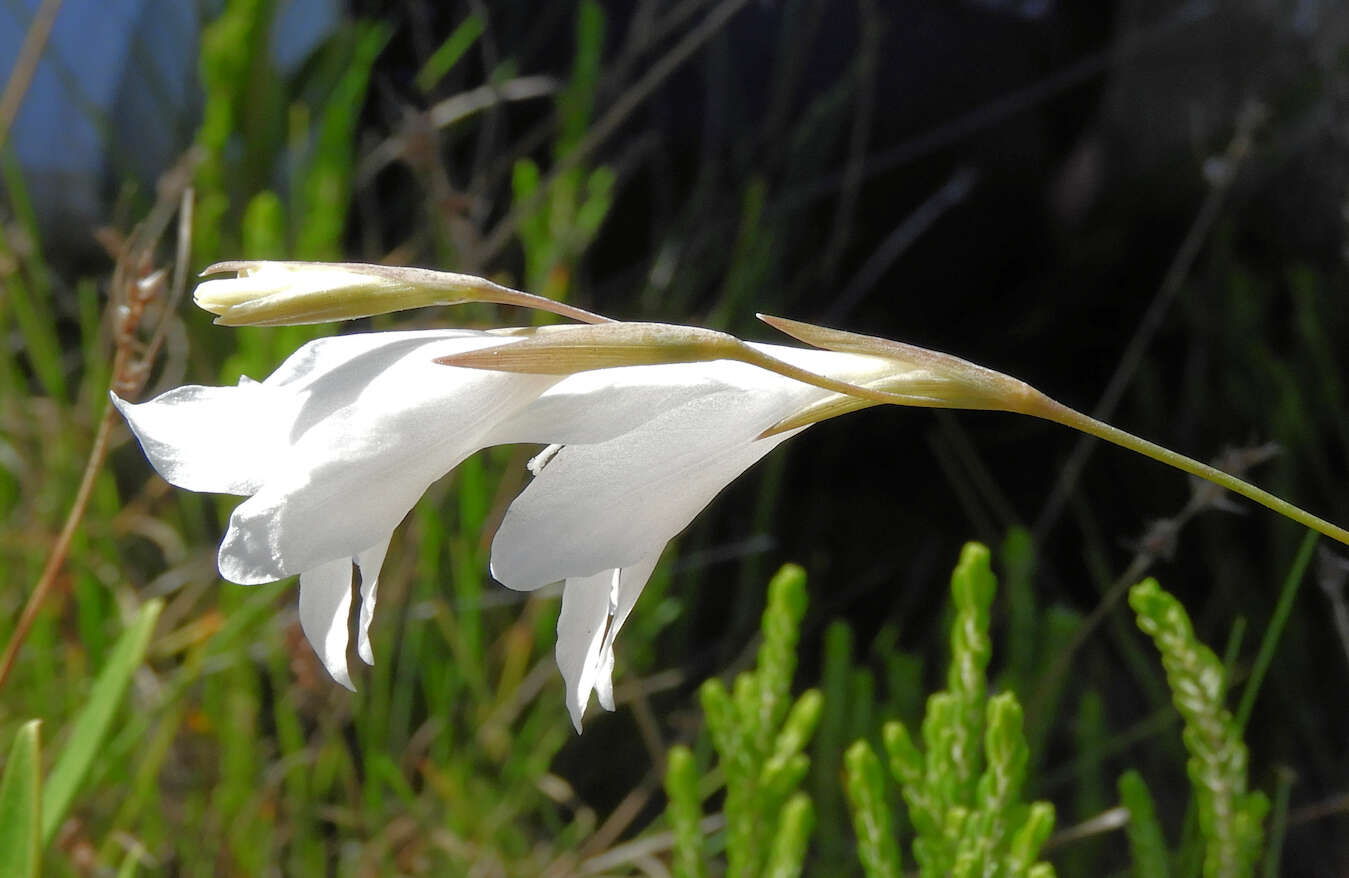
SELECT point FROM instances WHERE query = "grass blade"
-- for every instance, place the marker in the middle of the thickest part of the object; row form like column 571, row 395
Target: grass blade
column 21, row 805
column 91, row 725
column 1270, row 642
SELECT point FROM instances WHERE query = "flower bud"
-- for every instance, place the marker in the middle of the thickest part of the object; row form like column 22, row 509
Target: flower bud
column 290, row 293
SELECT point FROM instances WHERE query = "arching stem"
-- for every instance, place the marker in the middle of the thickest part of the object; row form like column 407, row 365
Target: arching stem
column 1050, row 410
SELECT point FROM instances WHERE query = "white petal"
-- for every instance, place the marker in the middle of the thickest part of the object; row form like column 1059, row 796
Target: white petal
column 369, row 562
column 631, row 581
column 373, row 433
column 325, row 609
column 229, row 440
column 612, row 504
column 580, row 634
column 216, row 439
column 596, row 406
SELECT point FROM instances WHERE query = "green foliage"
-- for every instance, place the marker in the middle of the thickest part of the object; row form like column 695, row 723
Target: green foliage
column 759, row 734
column 563, row 214
column 877, row 846
column 1229, row 816
column 1147, row 843
column 1017, row 557
column 574, row 205
column 795, row 824
column 752, row 258
column 21, row 805
column 31, row 810
column 576, row 104
column 963, row 791
column 261, row 134
column 461, row 707
column 239, row 756
column 684, row 812
column 89, row 729
column 323, row 187
column 460, row 40
column 1269, row 643
column 1278, row 824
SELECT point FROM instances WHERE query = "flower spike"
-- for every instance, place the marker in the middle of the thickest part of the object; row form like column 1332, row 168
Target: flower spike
column 291, row 293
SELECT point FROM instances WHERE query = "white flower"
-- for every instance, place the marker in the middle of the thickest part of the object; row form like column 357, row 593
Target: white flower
column 336, row 446
column 332, row 450
column 598, row 516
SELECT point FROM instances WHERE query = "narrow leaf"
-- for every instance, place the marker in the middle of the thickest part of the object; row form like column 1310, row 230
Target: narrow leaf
column 876, row 845
column 1147, row 843
column 129, row 863
column 91, row 724
column 786, row 858
column 21, row 805
column 685, row 812
column 460, row 40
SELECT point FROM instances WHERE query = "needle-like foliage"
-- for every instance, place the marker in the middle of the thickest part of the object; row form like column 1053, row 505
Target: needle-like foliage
column 759, row 734
column 963, row 791
column 1229, row 815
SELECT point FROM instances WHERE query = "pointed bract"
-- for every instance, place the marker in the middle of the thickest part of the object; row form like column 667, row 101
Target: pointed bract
column 957, row 383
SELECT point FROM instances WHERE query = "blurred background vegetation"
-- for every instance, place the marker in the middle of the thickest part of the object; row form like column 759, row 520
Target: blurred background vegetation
column 1138, row 206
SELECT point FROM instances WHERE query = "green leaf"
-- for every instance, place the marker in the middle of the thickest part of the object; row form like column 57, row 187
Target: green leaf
column 907, row 767
column 577, row 100
column 788, row 853
column 21, row 805
column 1023, row 628
column 91, row 724
column 460, row 40
column 777, row 654
column 1229, row 816
column 876, row 845
column 685, row 810
column 972, row 589
column 759, row 735
column 1026, row 842
column 796, row 730
column 264, row 226
column 1006, row 755
column 740, row 763
column 129, row 863
column 1278, row 621
column 323, row 187
column 1147, row 843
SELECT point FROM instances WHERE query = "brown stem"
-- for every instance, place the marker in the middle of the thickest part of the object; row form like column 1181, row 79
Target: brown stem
column 57, row 558
column 127, row 376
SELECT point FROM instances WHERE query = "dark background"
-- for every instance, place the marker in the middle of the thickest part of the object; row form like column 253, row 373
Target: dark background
column 1010, row 182
column 1064, row 191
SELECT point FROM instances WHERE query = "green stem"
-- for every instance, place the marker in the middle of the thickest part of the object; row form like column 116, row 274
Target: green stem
column 1046, row 408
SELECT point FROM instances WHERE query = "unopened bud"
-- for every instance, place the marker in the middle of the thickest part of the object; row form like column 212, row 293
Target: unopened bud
column 290, row 293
